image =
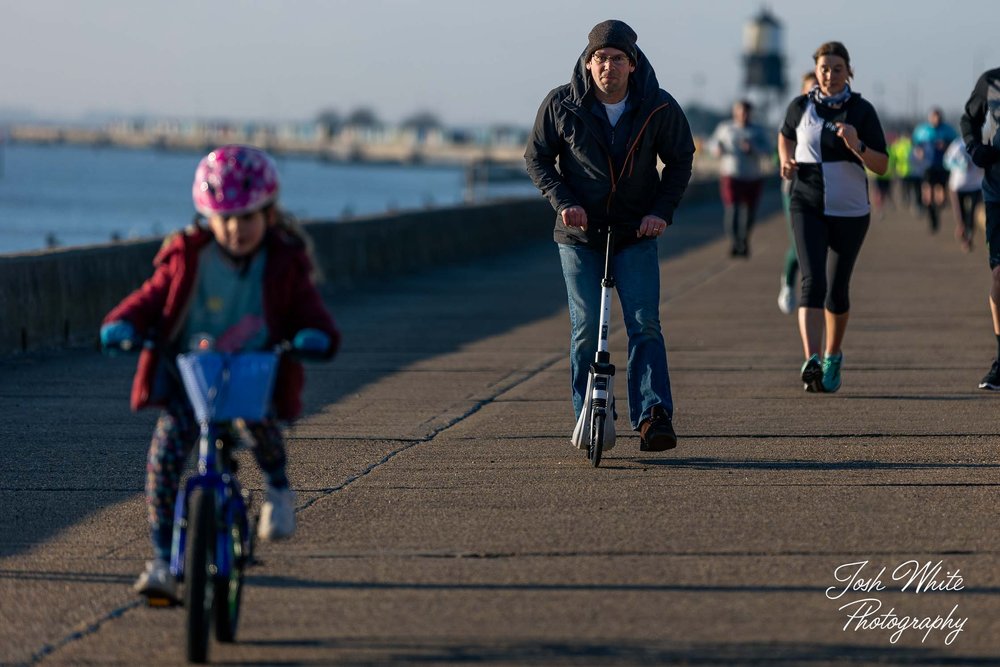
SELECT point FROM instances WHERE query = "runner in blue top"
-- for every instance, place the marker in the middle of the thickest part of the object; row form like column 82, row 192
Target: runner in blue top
column 931, row 140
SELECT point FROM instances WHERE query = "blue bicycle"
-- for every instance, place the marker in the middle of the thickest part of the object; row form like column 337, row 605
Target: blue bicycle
column 213, row 530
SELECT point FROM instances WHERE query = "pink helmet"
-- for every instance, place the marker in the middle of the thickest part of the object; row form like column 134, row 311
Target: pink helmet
column 233, row 180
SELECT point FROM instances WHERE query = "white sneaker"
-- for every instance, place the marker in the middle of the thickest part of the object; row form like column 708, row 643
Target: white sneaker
column 156, row 581
column 277, row 516
column 786, row 299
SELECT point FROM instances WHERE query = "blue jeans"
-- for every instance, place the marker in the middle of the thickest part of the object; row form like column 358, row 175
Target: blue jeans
column 637, row 275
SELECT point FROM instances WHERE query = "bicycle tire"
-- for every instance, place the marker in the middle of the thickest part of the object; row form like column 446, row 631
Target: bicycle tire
column 199, row 567
column 596, row 446
column 229, row 591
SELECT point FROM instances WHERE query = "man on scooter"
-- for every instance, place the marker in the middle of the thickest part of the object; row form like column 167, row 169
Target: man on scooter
column 606, row 129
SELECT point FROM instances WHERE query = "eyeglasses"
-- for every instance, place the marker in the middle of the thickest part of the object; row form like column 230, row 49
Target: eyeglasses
column 617, row 61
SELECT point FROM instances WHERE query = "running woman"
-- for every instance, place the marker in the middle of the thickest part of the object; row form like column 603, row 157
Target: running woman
column 829, row 137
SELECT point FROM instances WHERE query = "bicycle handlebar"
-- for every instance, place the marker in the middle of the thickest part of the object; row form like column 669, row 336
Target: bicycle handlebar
column 129, row 346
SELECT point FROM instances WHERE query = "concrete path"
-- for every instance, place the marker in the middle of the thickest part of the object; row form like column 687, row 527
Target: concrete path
column 444, row 518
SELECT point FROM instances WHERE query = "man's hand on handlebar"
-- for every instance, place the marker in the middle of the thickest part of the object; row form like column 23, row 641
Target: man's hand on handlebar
column 574, row 216
column 651, row 225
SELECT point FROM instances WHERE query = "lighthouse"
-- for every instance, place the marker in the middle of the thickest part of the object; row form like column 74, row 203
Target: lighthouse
column 764, row 63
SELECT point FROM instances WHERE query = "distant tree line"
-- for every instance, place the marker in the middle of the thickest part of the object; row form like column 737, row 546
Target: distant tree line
column 364, row 117
column 421, row 123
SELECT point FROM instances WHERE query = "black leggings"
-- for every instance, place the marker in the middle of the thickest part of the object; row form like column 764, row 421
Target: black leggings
column 828, row 247
column 967, row 203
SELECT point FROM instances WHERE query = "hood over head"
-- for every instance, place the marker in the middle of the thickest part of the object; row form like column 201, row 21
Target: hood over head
column 642, row 82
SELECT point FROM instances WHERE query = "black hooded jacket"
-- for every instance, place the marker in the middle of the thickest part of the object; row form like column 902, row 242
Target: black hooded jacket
column 569, row 132
column 981, row 125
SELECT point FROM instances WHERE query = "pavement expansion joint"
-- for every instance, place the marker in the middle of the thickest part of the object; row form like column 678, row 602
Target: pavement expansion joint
column 84, row 630
column 500, row 387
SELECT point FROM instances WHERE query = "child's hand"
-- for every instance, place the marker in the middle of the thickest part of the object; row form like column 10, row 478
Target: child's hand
column 312, row 343
column 118, row 335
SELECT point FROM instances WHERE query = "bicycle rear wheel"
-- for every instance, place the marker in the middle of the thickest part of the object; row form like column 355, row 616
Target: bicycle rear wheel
column 596, row 446
column 229, row 590
column 199, row 569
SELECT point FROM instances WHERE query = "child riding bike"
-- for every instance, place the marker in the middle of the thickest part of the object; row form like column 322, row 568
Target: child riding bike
column 241, row 274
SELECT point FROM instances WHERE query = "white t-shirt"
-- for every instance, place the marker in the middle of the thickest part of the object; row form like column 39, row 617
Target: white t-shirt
column 615, row 110
column 965, row 176
column 727, row 142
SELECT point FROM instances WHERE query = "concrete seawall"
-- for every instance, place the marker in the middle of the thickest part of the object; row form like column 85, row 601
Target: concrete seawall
column 57, row 298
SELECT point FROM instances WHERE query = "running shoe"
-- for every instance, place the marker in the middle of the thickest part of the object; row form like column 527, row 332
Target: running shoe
column 831, row 372
column 812, row 375
column 786, row 298
column 992, row 380
column 277, row 515
column 157, row 581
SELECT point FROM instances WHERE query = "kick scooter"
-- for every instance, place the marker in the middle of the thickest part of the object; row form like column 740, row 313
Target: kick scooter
column 595, row 429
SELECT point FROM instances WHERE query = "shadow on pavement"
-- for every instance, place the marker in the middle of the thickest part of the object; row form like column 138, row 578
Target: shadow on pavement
column 74, row 577
column 911, row 397
column 278, row 581
column 728, row 464
column 650, row 652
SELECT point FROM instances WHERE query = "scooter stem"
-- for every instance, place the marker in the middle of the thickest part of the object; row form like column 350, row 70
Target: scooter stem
column 607, row 284
column 609, row 278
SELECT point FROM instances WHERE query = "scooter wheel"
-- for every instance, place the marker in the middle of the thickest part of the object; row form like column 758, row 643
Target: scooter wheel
column 596, row 447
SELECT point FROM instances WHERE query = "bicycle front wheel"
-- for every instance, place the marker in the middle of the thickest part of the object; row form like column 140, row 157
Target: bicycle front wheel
column 596, row 446
column 199, row 568
column 229, row 590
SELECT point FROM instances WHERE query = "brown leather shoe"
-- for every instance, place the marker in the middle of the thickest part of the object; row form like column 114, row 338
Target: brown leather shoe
column 656, row 434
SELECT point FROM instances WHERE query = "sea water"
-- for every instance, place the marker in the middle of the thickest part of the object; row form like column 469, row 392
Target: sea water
column 69, row 195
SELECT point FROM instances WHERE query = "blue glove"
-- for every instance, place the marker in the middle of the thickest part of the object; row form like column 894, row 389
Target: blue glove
column 312, row 342
column 118, row 335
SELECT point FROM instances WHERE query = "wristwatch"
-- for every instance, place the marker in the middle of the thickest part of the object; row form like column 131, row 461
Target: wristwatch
column 861, row 147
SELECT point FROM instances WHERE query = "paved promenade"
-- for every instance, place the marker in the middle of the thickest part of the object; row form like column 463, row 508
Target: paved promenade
column 445, row 519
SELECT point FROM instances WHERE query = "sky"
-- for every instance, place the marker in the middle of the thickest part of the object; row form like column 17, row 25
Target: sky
column 470, row 62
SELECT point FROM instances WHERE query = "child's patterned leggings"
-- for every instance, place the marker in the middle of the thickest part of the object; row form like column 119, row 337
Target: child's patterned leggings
column 175, row 436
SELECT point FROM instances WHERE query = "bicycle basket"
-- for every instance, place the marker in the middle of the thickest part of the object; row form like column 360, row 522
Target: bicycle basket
column 223, row 387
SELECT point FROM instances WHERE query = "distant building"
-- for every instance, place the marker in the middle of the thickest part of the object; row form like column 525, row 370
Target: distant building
column 764, row 63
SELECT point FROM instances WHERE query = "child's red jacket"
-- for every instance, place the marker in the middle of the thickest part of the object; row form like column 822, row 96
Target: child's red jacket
column 158, row 309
